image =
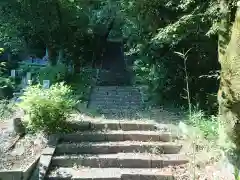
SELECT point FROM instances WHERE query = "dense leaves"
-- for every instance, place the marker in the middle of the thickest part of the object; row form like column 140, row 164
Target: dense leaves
column 152, row 31
column 47, row 109
column 172, row 26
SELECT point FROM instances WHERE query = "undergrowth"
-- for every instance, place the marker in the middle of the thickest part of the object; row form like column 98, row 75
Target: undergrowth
column 6, row 109
column 80, row 83
column 207, row 125
column 47, row 109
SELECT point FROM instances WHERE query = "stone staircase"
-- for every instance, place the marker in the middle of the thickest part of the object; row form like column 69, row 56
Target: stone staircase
column 110, row 78
column 116, row 150
column 116, row 101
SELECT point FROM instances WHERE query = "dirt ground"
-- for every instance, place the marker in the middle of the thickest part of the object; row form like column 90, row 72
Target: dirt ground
column 24, row 152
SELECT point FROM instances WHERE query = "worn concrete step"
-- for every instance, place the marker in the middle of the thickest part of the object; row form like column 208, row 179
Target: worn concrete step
column 113, row 80
column 84, row 173
column 118, row 88
column 128, row 92
column 119, row 111
column 112, row 105
column 118, row 136
column 107, row 94
column 122, row 82
column 120, row 160
column 121, row 115
column 111, row 108
column 116, row 101
column 115, row 125
column 117, row 147
column 115, row 98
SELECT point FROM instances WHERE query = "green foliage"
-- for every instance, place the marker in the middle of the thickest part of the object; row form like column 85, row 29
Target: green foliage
column 152, row 29
column 6, row 87
column 24, row 68
column 6, row 109
column 208, row 125
column 179, row 26
column 81, row 84
column 153, row 75
column 55, row 73
column 47, row 109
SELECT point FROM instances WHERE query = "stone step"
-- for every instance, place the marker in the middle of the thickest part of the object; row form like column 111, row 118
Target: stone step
column 116, row 100
column 120, row 160
column 117, row 92
column 84, row 173
column 117, row 147
column 121, row 115
column 116, row 88
column 119, row 136
column 115, row 125
column 113, row 80
column 123, row 82
column 112, row 97
column 111, row 108
column 119, row 111
column 116, row 105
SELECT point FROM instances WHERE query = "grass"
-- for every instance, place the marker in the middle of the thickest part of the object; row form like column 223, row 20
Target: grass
column 201, row 133
column 208, row 125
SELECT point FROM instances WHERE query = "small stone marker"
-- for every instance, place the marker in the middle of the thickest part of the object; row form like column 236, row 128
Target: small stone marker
column 18, row 126
column 46, row 84
column 30, row 82
column 13, row 73
column 28, row 77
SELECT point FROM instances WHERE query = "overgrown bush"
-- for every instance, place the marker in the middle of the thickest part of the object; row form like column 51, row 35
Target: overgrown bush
column 47, row 109
column 55, row 73
column 208, row 125
column 6, row 88
column 33, row 69
column 81, row 83
column 6, row 109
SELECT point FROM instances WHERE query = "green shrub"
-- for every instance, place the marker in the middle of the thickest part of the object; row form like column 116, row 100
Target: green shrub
column 34, row 70
column 55, row 73
column 208, row 125
column 47, row 109
column 6, row 109
column 6, row 88
column 81, row 83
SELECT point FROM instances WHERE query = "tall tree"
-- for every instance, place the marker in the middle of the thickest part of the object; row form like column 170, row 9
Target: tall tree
column 229, row 91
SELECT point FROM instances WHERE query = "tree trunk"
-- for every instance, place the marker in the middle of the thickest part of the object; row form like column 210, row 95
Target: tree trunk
column 229, row 91
column 224, row 29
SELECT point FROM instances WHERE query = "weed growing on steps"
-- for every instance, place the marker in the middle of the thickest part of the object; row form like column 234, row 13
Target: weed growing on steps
column 202, row 127
column 185, row 57
column 207, row 125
